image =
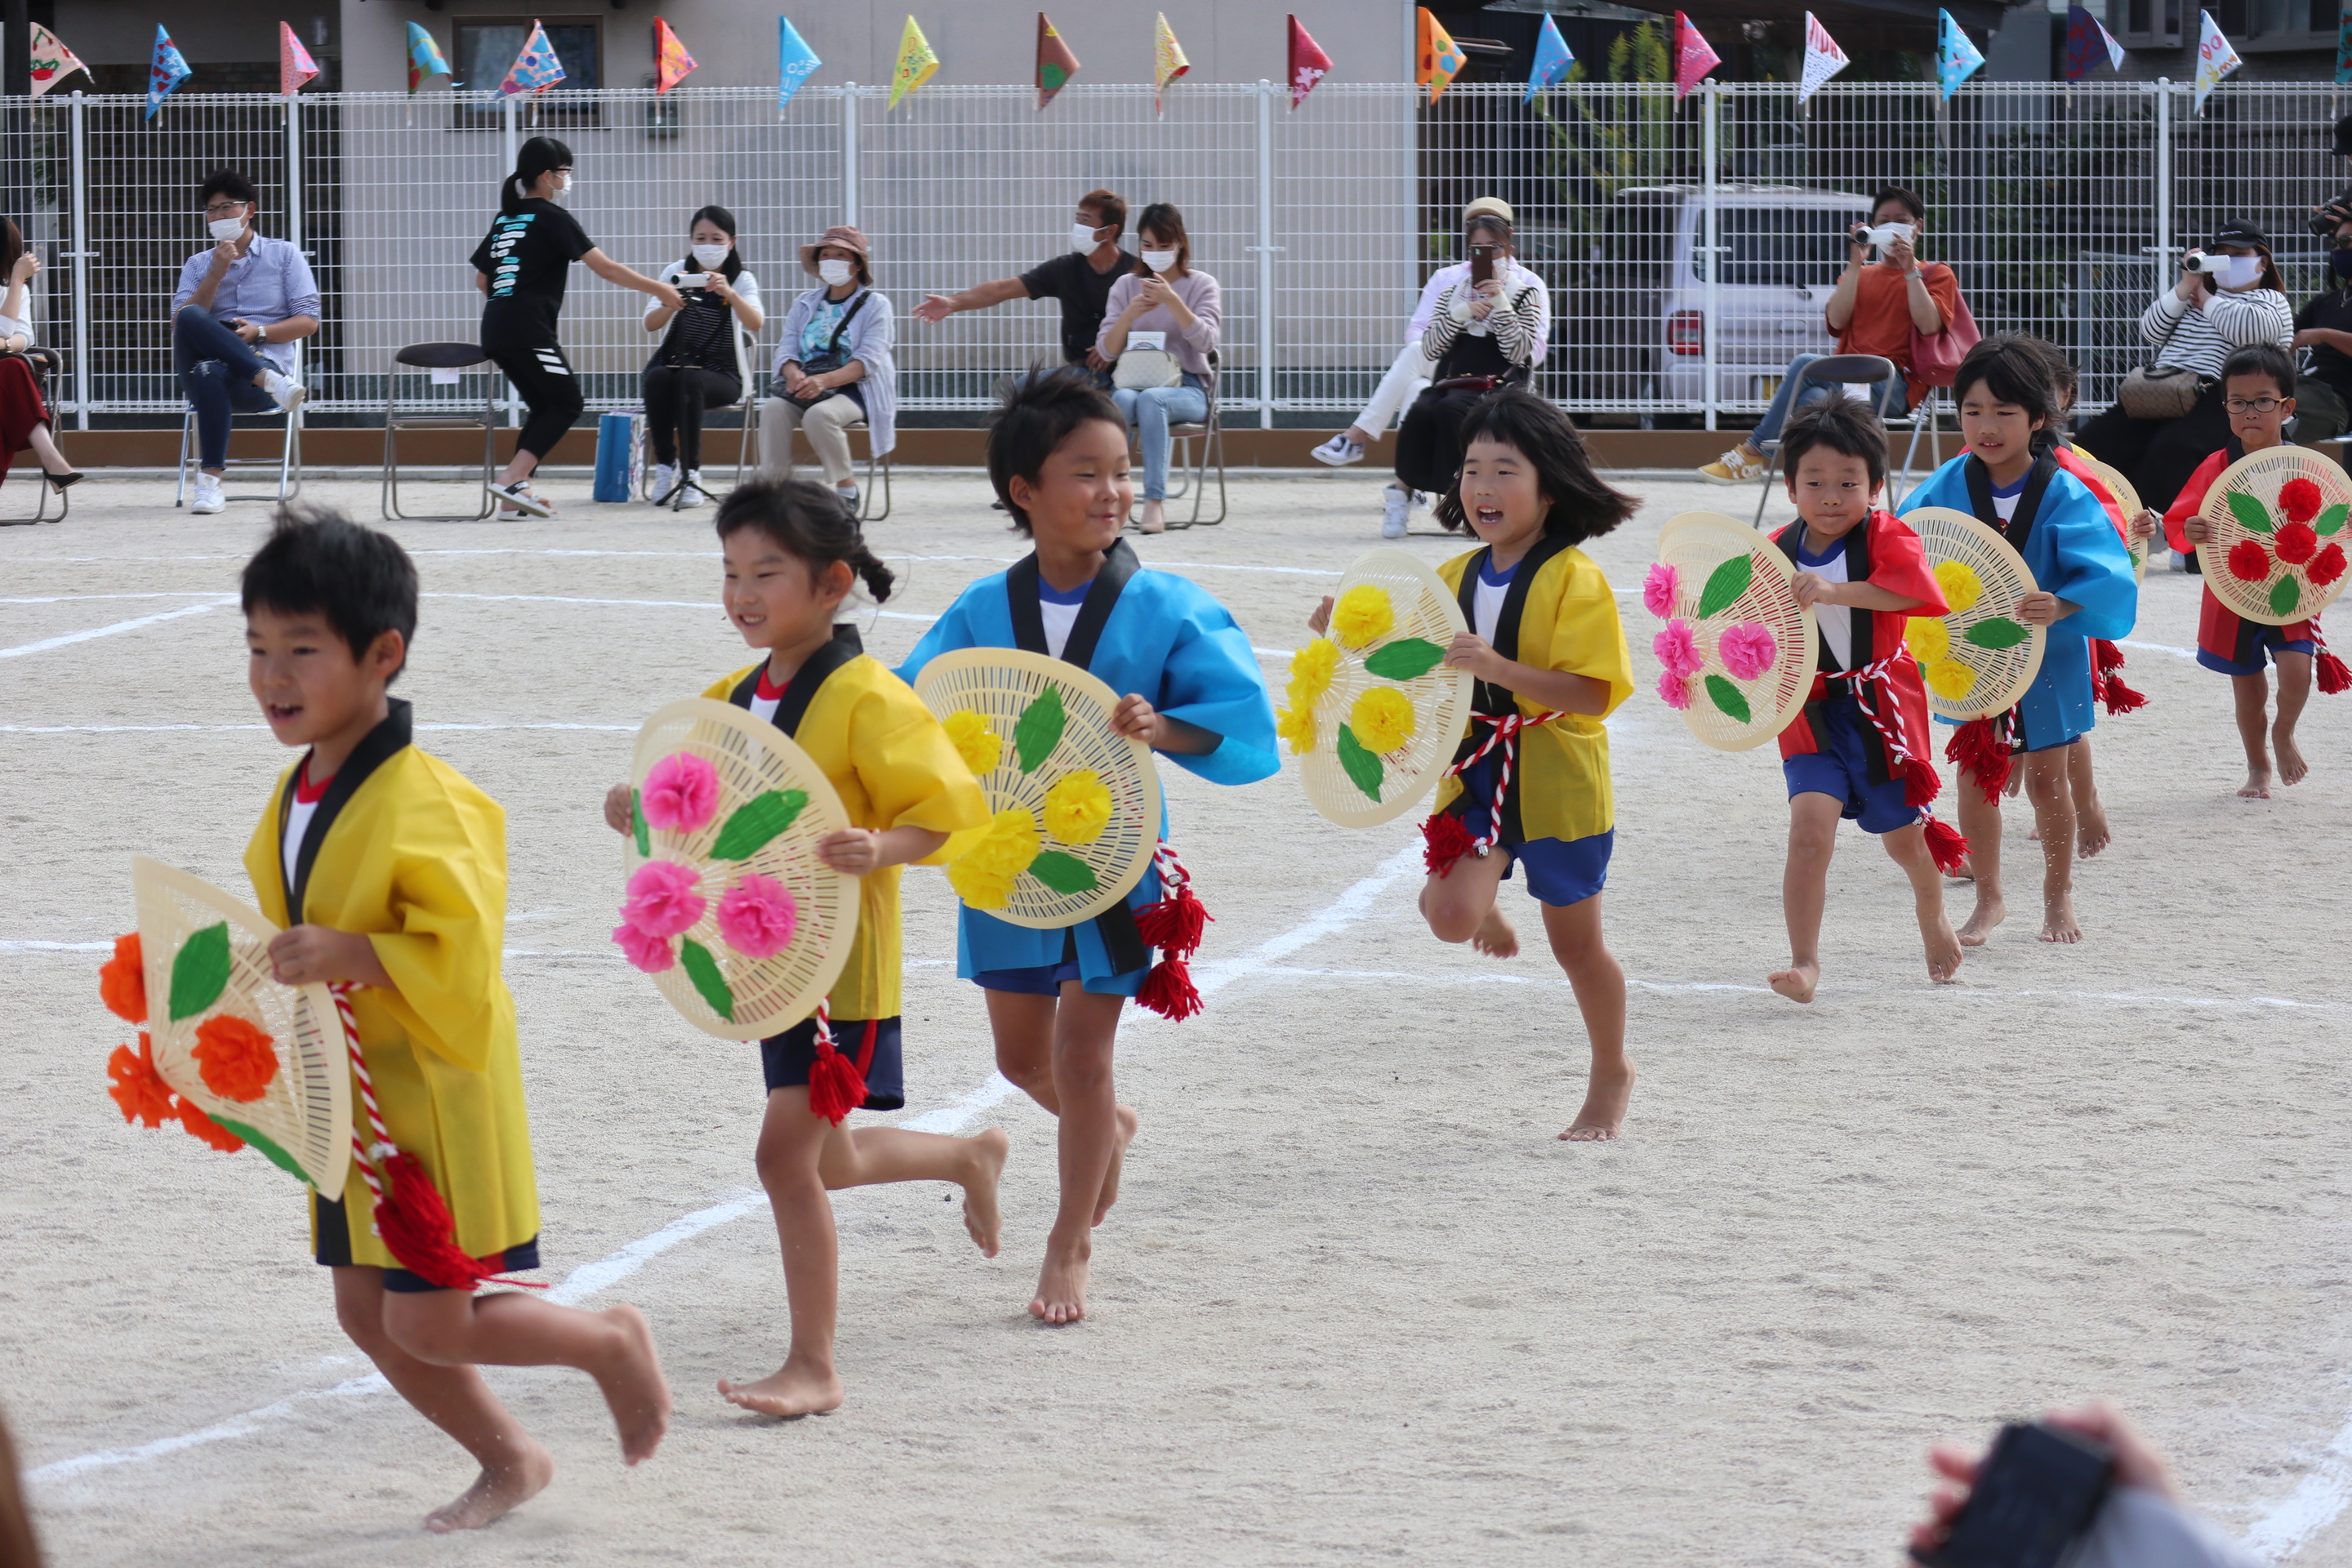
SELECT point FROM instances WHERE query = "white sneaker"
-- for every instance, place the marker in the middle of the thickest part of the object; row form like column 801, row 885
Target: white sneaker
column 657, row 487
column 207, row 498
column 1339, row 451
column 695, row 494
column 848, row 497
column 515, row 500
column 288, row 393
column 1396, row 505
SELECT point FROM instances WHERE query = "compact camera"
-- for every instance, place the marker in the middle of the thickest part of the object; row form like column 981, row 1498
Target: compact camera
column 1886, row 234
column 2198, row 261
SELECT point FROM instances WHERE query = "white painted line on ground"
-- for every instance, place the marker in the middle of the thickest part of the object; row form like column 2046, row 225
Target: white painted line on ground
column 77, row 598
column 2311, row 1508
column 70, row 638
column 235, row 1426
column 609, row 1270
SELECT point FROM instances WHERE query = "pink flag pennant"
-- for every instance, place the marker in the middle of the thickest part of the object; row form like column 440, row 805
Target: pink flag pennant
column 295, row 64
column 536, row 69
column 1693, row 58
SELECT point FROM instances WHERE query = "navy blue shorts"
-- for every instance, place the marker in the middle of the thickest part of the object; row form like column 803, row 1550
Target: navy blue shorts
column 1840, row 770
column 2268, row 641
column 787, row 1058
column 335, row 1251
column 1561, row 872
column 1040, row 980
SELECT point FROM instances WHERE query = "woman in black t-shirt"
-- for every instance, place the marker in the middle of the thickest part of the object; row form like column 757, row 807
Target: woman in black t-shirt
column 519, row 267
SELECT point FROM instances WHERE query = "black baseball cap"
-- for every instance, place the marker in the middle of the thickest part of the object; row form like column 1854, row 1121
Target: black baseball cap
column 2239, row 231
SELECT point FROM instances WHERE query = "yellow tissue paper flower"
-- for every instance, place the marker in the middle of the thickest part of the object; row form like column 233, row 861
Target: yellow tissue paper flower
column 1962, row 587
column 1951, row 679
column 981, row 747
column 1381, row 718
column 982, row 877
column 1077, row 807
column 1930, row 640
column 1296, row 725
column 1363, row 615
column 1311, row 668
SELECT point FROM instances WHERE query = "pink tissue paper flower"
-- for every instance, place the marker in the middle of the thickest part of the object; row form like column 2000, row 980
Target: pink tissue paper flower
column 1672, row 691
column 662, row 901
column 681, row 793
column 1748, row 651
column 757, row 916
column 650, row 953
column 1677, row 648
column 1658, row 589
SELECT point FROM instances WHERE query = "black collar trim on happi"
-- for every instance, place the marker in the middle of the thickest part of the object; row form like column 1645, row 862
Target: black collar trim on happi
column 377, row 747
column 2020, row 527
column 1021, row 588
column 802, row 689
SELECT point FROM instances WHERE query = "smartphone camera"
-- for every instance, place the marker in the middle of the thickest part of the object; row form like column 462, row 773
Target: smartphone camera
column 2035, row 1494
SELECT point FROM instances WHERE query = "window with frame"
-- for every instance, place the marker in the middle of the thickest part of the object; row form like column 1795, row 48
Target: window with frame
column 2284, row 24
column 2145, row 24
column 485, row 47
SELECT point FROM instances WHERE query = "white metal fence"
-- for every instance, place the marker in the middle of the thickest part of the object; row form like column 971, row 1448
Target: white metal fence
column 2059, row 207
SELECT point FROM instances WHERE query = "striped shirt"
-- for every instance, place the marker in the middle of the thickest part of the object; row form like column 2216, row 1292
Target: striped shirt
column 1516, row 322
column 2204, row 335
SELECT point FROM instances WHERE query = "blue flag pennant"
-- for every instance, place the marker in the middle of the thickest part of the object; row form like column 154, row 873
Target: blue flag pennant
column 1957, row 58
column 795, row 61
column 1553, row 61
column 165, row 72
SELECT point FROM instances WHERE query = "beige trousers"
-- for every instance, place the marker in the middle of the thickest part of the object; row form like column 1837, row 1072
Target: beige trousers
column 827, row 423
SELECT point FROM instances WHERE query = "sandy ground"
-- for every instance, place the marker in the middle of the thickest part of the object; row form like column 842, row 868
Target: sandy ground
column 1357, row 1303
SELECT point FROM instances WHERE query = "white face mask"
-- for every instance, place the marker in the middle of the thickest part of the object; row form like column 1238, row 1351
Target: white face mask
column 562, row 185
column 1158, row 260
column 2237, row 271
column 712, row 256
column 224, row 229
column 1081, row 237
column 835, row 271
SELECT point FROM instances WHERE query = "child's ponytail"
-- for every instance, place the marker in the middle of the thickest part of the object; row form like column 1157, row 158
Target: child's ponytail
column 808, row 520
column 532, row 158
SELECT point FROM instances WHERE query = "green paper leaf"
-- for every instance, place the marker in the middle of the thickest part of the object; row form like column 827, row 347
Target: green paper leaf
column 637, row 824
column 756, row 821
column 277, row 1156
column 1406, row 658
column 1725, row 585
column 2286, row 594
column 2332, row 520
column 1363, row 766
column 703, row 970
column 1996, row 632
column 1726, row 696
column 200, row 972
column 2251, row 515
column 1062, row 873
column 1040, row 729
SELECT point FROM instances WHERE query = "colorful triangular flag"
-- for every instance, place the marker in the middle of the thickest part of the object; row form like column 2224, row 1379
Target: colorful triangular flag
column 2215, row 57
column 52, row 60
column 2343, row 50
column 2087, row 43
column 1823, row 59
column 671, row 62
column 166, row 72
column 536, row 69
column 1957, row 58
column 795, row 61
column 917, row 63
column 1553, row 61
column 424, row 59
column 1168, row 61
column 1693, row 58
column 1308, row 63
column 1056, row 64
column 295, row 64
column 1437, row 59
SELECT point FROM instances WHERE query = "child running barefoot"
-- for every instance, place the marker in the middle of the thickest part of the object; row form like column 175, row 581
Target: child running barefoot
column 390, row 870
column 1859, row 749
column 794, row 552
column 1549, row 655
column 2085, row 589
column 1193, row 692
column 2257, row 389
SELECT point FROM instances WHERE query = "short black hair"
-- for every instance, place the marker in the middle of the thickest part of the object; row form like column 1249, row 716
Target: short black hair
column 317, row 560
column 230, row 183
column 2261, row 359
column 2014, row 370
column 1036, row 412
column 809, row 522
column 1582, row 507
column 1903, row 193
column 1842, row 425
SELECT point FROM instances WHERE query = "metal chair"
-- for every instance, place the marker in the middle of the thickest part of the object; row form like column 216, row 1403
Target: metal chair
column 754, row 441
column 1209, row 432
column 48, row 364
column 1922, row 419
column 290, row 451
column 748, row 401
column 1834, row 371
column 444, row 361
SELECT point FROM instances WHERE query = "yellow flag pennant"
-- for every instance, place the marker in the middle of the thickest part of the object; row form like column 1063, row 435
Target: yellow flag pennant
column 1168, row 61
column 916, row 65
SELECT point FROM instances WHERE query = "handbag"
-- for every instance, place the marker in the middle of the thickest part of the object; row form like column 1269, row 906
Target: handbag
column 1144, row 365
column 2161, row 391
column 833, row 357
column 1936, row 356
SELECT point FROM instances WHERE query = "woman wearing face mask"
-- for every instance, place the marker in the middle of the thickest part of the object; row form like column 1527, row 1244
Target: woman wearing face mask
column 520, row 267
column 1174, row 299
column 834, row 367
column 695, row 368
column 1482, row 333
column 2322, row 394
column 2197, row 323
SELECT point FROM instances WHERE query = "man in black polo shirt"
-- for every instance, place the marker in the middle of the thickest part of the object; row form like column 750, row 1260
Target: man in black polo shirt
column 2323, row 393
column 1080, row 278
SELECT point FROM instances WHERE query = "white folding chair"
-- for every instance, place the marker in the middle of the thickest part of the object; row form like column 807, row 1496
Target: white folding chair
column 288, row 461
column 1209, row 432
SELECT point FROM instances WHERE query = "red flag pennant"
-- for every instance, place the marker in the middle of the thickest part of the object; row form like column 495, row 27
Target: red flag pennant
column 1308, row 64
column 671, row 62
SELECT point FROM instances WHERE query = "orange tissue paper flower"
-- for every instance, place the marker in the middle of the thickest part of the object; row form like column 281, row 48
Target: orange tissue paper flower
column 235, row 1058
column 2300, row 499
column 211, row 1131
column 122, row 981
column 136, row 1086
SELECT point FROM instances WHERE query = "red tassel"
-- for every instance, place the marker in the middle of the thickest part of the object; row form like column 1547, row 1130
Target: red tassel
column 1169, row 991
column 2121, row 699
column 1948, row 846
column 2106, row 654
column 2106, row 685
column 2333, row 676
column 415, row 1226
column 1921, row 784
column 1174, row 924
column 835, row 1087
column 1979, row 750
column 1443, row 841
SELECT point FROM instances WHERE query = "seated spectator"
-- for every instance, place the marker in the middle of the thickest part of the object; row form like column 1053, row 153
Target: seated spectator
column 24, row 414
column 1184, row 307
column 238, row 311
column 1875, row 309
column 1080, row 279
column 2322, row 393
column 695, row 368
column 2196, row 323
column 834, row 367
column 1480, row 336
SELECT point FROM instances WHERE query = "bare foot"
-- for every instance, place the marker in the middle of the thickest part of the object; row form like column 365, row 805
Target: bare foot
column 1061, row 1284
column 495, row 1494
column 1603, row 1112
column 1943, row 945
column 1988, row 914
column 633, row 1385
column 1796, row 981
column 979, row 1214
column 1494, row 937
column 2257, row 785
column 2058, row 919
column 2092, row 833
column 2292, row 767
column 792, row 1390
column 1128, row 1123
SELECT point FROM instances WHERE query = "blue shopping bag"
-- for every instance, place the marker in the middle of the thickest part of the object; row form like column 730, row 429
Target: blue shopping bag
column 616, row 454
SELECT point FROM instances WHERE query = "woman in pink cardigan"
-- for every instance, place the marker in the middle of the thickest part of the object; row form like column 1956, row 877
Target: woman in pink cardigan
column 1183, row 305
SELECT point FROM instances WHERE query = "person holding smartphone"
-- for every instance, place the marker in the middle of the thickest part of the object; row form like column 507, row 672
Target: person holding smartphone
column 1485, row 331
column 696, row 367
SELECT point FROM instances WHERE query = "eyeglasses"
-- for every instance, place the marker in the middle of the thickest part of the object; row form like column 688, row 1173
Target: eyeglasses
column 2250, row 404
column 225, row 209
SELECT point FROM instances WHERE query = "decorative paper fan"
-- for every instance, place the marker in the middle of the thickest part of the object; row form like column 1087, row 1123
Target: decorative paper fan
column 728, row 908
column 1077, row 803
column 1373, row 713
column 1979, row 659
column 2277, row 552
column 2127, row 501
column 1740, row 651
column 264, row 1062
